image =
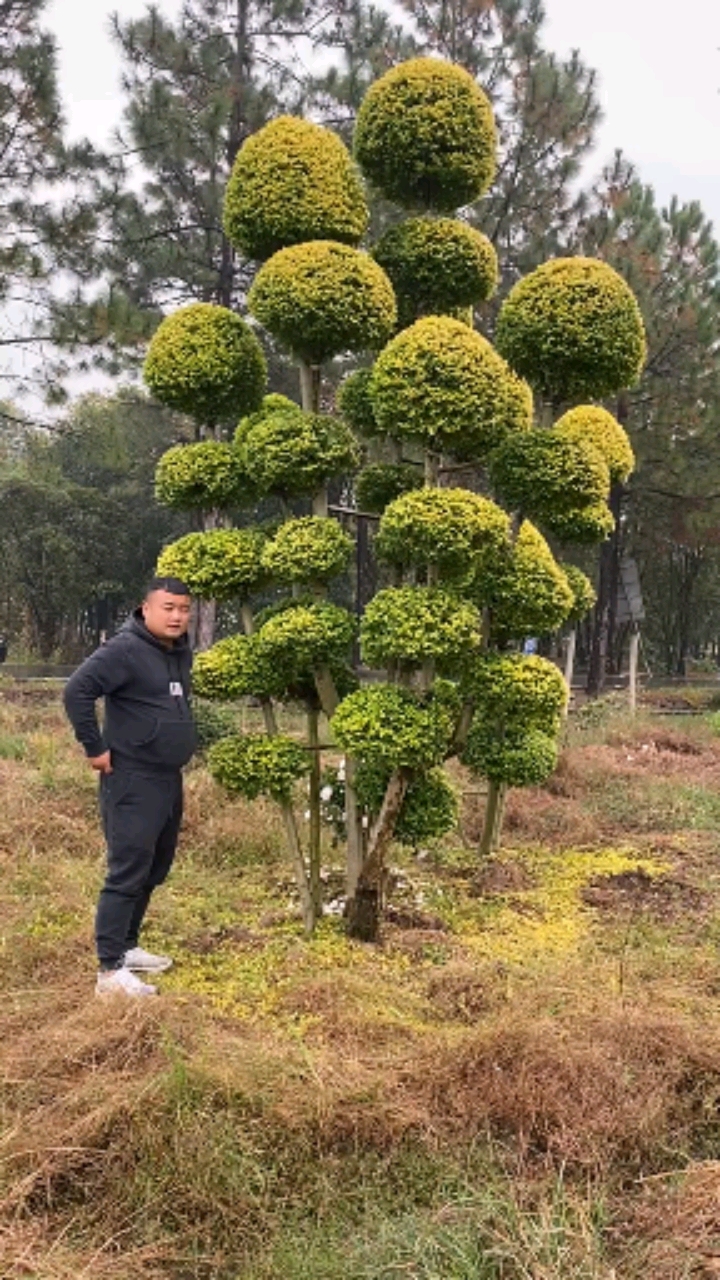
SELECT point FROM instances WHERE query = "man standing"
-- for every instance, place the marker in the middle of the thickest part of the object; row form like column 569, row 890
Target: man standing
column 143, row 673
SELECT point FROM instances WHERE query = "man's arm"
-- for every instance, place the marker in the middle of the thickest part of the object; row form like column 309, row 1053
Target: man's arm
column 103, row 672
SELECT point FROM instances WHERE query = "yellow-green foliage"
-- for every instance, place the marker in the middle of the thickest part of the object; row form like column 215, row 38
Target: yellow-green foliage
column 293, row 453
column 205, row 361
column 303, row 637
column 308, row 549
column 208, row 475
column 541, row 474
column 512, row 755
column 573, row 328
column 517, row 690
column 231, row 668
column 441, row 383
column 592, row 423
column 412, row 625
column 425, row 135
column 429, row 810
column 583, row 525
column 530, row 596
column 272, row 406
column 354, row 403
column 452, row 528
column 218, row 565
column 583, row 591
column 381, row 482
column 293, row 181
column 436, row 266
column 321, row 298
column 388, row 727
column 254, row 765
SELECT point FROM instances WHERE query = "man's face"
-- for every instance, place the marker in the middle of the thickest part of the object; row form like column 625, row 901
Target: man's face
column 166, row 616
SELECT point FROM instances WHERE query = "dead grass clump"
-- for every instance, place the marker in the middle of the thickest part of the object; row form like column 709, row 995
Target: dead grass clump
column 637, row 893
column 460, row 993
column 674, row 1225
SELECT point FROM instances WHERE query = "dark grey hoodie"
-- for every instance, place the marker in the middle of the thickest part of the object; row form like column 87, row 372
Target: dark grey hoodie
column 146, row 687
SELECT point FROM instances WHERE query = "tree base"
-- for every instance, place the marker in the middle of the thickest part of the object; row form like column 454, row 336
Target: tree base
column 362, row 915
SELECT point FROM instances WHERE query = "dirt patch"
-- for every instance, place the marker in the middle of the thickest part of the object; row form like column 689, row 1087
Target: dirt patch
column 460, row 994
column 636, row 892
column 413, row 918
column 501, row 878
column 209, row 940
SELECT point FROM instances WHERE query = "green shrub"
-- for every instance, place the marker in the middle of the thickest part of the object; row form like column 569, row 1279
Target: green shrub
column 429, row 810
column 582, row 526
column 425, row 135
column 217, row 565
column 573, row 328
column 385, row 726
column 412, row 625
column 530, row 596
column 382, row 482
column 302, row 637
column 212, row 723
column 515, row 756
column 205, row 361
column 208, row 475
column 452, row 528
column 254, row 765
column 354, row 403
column 542, row 474
column 309, row 549
column 515, row 690
column 293, row 181
column 294, row 454
column 600, row 429
column 583, row 591
column 442, row 384
column 436, row 266
column 321, row 299
column 272, row 406
column 231, row 668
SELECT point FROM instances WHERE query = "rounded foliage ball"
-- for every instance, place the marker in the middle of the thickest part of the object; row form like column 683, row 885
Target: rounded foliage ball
column 425, row 136
column 385, row 726
column 517, row 757
column 302, row 638
column 354, row 403
column 530, row 596
column 573, row 328
column 452, row 528
column 591, row 423
column 293, row 181
column 429, row 810
column 218, row 565
column 381, row 482
column 252, row 765
column 517, row 691
column 442, row 384
column 272, row 405
column 203, row 476
column 412, row 625
column 436, row 265
column 226, row 670
column 583, row 591
column 582, row 526
column 321, row 299
column 293, row 453
column 205, row 361
column 541, row 473
column 308, row 549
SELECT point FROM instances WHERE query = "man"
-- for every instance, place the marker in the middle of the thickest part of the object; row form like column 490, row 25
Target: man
column 143, row 673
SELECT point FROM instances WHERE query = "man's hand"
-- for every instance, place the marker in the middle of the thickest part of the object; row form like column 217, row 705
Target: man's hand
column 101, row 763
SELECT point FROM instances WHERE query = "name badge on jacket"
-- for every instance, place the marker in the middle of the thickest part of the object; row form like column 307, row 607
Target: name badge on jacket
column 176, row 689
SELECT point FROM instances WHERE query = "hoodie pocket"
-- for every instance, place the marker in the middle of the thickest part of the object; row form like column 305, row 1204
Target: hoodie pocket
column 172, row 743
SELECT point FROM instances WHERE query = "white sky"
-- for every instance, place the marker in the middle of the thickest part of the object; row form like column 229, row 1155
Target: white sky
column 658, row 64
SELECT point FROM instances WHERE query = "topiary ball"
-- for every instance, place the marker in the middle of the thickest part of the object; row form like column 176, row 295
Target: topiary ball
column 272, row 406
column 436, row 266
column 573, row 328
column 292, row 454
column 354, row 403
column 227, row 670
column 205, row 361
column 442, row 384
column 530, row 596
column 541, row 473
column 208, row 475
column 381, row 482
column 302, row 638
column 517, row 691
column 582, row 526
column 429, row 810
column 253, row 765
column 413, row 625
column 425, row 135
column 452, row 528
column 583, row 591
column 516, row 757
column 309, row 549
column 384, row 726
column 218, row 565
column 590, row 423
column 293, row 181
column 321, row 299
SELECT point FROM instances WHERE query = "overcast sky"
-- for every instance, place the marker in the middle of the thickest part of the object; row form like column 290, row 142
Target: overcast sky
column 658, row 64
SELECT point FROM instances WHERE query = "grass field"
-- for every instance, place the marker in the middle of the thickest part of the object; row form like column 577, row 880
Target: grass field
column 522, row 1082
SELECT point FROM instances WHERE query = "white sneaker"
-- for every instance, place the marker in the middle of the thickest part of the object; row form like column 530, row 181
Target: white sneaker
column 145, row 962
column 112, row 982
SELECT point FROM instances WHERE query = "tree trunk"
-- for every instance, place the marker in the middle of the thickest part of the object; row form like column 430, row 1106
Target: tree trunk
column 315, row 832
column 492, row 811
column 237, row 131
column 363, row 909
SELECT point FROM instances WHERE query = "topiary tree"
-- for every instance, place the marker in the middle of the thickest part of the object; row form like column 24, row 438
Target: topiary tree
column 470, row 577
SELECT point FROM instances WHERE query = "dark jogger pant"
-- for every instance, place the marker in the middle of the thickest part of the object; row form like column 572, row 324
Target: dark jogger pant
column 141, row 815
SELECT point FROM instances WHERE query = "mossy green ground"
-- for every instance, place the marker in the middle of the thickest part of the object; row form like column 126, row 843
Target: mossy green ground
column 481, row 1095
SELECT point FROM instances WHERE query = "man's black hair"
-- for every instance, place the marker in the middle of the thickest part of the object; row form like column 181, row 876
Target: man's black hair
column 173, row 585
